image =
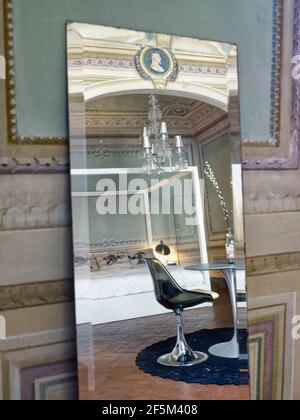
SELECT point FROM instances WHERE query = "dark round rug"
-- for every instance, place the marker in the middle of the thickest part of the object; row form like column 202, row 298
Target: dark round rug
column 216, row 370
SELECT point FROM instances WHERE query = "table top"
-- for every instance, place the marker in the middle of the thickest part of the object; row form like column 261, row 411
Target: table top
column 218, row 266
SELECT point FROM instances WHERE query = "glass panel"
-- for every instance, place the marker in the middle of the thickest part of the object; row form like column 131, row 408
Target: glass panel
column 156, row 173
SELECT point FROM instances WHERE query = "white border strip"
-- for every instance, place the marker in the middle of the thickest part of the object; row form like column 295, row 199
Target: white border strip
column 2, row 68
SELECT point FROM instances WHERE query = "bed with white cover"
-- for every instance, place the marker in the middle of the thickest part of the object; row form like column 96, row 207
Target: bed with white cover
column 121, row 293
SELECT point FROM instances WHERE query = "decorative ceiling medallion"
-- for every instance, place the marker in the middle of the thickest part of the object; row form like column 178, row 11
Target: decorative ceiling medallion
column 156, row 63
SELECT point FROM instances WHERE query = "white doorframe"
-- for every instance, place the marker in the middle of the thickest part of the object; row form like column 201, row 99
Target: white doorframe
column 197, row 190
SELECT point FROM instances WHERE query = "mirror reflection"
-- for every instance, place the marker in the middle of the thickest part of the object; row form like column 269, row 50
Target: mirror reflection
column 157, row 215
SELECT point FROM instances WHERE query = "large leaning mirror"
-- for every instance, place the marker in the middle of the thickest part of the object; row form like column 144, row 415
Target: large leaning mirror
column 157, row 216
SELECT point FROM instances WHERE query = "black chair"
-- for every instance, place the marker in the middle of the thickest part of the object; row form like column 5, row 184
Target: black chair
column 170, row 295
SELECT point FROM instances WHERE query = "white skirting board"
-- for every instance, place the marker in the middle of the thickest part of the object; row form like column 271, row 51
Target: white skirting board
column 102, row 311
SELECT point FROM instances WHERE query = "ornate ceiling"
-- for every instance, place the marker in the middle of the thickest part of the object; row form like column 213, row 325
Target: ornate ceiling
column 124, row 116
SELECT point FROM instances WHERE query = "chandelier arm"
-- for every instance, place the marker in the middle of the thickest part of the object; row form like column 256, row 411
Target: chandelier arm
column 157, row 151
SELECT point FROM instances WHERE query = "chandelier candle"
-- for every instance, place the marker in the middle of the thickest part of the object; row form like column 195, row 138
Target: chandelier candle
column 145, row 132
column 179, row 142
column 164, row 132
column 146, row 141
column 181, row 161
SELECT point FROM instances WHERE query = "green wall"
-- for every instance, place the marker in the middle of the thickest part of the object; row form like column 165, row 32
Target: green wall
column 41, row 58
column 126, row 227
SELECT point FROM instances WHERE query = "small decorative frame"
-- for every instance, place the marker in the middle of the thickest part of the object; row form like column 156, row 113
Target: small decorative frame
column 153, row 63
column 276, row 71
column 285, row 96
column 13, row 137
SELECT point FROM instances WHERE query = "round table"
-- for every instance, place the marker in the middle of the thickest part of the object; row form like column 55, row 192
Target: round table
column 230, row 349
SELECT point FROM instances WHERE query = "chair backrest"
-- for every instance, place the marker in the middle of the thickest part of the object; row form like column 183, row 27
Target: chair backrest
column 165, row 286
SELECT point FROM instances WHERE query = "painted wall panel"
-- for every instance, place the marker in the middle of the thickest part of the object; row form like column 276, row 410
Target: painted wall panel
column 31, row 256
column 40, row 50
column 271, row 234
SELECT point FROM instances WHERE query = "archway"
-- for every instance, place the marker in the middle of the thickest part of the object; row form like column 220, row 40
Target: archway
column 217, row 98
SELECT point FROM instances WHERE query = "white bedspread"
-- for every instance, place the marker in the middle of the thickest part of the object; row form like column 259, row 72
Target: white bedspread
column 117, row 281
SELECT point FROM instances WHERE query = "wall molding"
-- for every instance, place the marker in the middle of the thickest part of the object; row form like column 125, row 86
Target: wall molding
column 269, row 264
column 271, row 347
column 286, row 155
column 13, row 137
column 111, row 244
column 26, row 359
column 274, row 140
column 30, row 295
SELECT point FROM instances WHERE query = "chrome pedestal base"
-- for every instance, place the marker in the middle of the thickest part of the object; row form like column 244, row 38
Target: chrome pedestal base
column 229, row 350
column 168, row 360
column 182, row 355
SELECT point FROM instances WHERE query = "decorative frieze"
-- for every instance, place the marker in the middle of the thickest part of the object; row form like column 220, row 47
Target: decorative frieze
column 110, row 62
column 33, row 165
column 268, row 264
column 35, row 217
column 271, row 202
column 36, row 294
column 108, row 244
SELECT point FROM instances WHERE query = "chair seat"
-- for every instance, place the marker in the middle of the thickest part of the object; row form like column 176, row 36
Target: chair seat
column 187, row 299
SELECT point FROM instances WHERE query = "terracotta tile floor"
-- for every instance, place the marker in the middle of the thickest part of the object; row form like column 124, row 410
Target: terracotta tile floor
column 109, row 352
